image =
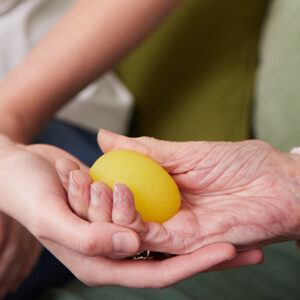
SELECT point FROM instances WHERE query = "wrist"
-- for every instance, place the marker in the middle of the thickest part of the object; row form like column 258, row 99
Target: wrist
column 11, row 127
column 8, row 151
column 6, row 144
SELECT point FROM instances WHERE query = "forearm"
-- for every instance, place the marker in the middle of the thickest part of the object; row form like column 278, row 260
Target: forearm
column 90, row 38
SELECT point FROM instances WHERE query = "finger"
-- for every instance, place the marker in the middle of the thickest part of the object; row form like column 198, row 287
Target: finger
column 79, row 192
column 100, row 207
column 246, row 258
column 109, row 141
column 168, row 272
column 160, row 151
column 53, row 154
column 153, row 236
column 64, row 167
column 124, row 212
column 174, row 157
column 97, row 271
column 69, row 230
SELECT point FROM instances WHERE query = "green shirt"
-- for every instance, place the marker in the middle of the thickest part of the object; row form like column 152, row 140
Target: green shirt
column 193, row 78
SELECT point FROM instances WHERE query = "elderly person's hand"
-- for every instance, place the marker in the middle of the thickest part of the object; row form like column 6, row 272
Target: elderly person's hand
column 31, row 193
column 245, row 193
column 19, row 252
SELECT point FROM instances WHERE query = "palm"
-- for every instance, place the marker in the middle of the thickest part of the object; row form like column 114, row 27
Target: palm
column 234, row 192
column 35, row 178
column 42, row 205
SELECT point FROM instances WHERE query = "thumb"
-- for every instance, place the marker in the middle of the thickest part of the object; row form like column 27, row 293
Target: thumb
column 92, row 239
column 172, row 156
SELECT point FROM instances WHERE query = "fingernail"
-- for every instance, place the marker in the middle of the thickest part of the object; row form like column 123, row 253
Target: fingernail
column 116, row 193
column 73, row 189
column 61, row 175
column 233, row 257
column 124, row 243
column 95, row 194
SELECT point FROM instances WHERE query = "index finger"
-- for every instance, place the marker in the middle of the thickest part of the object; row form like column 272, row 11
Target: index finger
column 161, row 274
column 98, row 271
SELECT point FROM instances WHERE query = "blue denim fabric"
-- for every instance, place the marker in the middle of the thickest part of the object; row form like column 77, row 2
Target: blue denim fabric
column 82, row 144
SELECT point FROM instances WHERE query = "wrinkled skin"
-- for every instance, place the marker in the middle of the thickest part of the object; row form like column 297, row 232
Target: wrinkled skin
column 246, row 193
column 35, row 197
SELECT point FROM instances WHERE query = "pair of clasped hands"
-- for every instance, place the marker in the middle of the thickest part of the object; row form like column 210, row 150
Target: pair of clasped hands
column 235, row 198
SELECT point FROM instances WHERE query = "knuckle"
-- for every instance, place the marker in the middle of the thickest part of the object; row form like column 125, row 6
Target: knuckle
column 157, row 281
column 123, row 219
column 89, row 245
column 258, row 145
column 144, row 138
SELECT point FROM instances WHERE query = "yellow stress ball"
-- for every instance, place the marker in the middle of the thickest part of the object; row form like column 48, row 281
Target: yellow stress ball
column 157, row 197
